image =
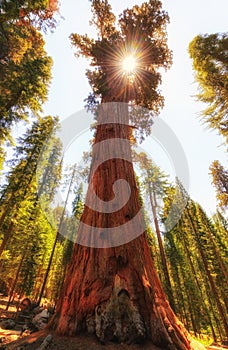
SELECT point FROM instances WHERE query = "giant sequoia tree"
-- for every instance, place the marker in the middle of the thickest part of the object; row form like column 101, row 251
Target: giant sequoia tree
column 113, row 290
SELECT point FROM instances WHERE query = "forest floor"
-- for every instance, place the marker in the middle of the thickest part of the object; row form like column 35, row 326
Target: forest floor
column 33, row 342
column 11, row 339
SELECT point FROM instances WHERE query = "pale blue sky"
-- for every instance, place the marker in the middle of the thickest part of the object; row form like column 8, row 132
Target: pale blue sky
column 187, row 18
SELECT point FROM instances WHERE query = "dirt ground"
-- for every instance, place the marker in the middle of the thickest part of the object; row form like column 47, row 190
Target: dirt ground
column 13, row 341
column 33, row 342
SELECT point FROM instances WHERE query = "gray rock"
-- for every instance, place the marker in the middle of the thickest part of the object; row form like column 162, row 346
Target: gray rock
column 8, row 324
column 46, row 342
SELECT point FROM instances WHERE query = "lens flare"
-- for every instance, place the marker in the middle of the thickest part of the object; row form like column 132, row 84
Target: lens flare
column 129, row 64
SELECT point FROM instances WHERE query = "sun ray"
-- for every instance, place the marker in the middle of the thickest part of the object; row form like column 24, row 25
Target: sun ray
column 129, row 64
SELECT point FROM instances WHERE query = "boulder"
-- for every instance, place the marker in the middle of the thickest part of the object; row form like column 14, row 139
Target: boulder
column 41, row 319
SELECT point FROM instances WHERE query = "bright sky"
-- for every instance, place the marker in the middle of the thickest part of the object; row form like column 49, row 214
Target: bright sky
column 187, row 19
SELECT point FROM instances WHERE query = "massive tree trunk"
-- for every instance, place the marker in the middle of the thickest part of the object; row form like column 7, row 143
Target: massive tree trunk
column 114, row 291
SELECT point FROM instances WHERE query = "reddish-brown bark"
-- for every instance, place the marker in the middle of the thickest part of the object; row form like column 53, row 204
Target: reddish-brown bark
column 115, row 292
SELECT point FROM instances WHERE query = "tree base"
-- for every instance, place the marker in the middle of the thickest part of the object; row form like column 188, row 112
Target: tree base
column 118, row 319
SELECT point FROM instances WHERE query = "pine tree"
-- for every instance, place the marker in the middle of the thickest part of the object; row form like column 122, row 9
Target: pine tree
column 156, row 184
column 191, row 247
column 25, row 67
column 209, row 55
column 58, row 231
column 21, row 179
column 25, row 73
column 30, row 240
column 26, row 231
column 220, row 182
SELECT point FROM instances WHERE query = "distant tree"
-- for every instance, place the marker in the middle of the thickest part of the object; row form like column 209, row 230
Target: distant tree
column 221, row 226
column 210, row 63
column 180, row 260
column 21, row 180
column 78, row 201
column 207, row 253
column 2, row 158
column 155, row 183
column 71, row 226
column 220, row 182
column 27, row 250
column 25, row 230
column 57, row 236
column 149, row 231
column 191, row 247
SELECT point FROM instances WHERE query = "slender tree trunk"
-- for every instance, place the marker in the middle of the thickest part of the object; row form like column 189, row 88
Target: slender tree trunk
column 36, row 287
column 56, row 240
column 153, row 203
column 16, row 278
column 217, row 321
column 48, row 269
column 182, row 302
column 213, row 288
column 199, row 287
column 7, row 236
column 3, row 216
column 115, row 292
column 194, row 327
column 221, row 264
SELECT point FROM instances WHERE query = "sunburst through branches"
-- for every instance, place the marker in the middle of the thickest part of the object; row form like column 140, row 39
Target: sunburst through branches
column 129, row 64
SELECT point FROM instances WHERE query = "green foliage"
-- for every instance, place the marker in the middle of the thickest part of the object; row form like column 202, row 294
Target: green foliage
column 140, row 31
column 23, row 166
column 210, row 62
column 21, row 182
column 206, row 341
column 221, row 226
column 26, row 237
column 153, row 178
column 25, row 68
column 103, row 18
column 155, row 185
column 25, row 231
column 220, row 182
column 25, row 72
column 2, row 158
column 197, row 255
column 78, row 202
column 39, row 13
